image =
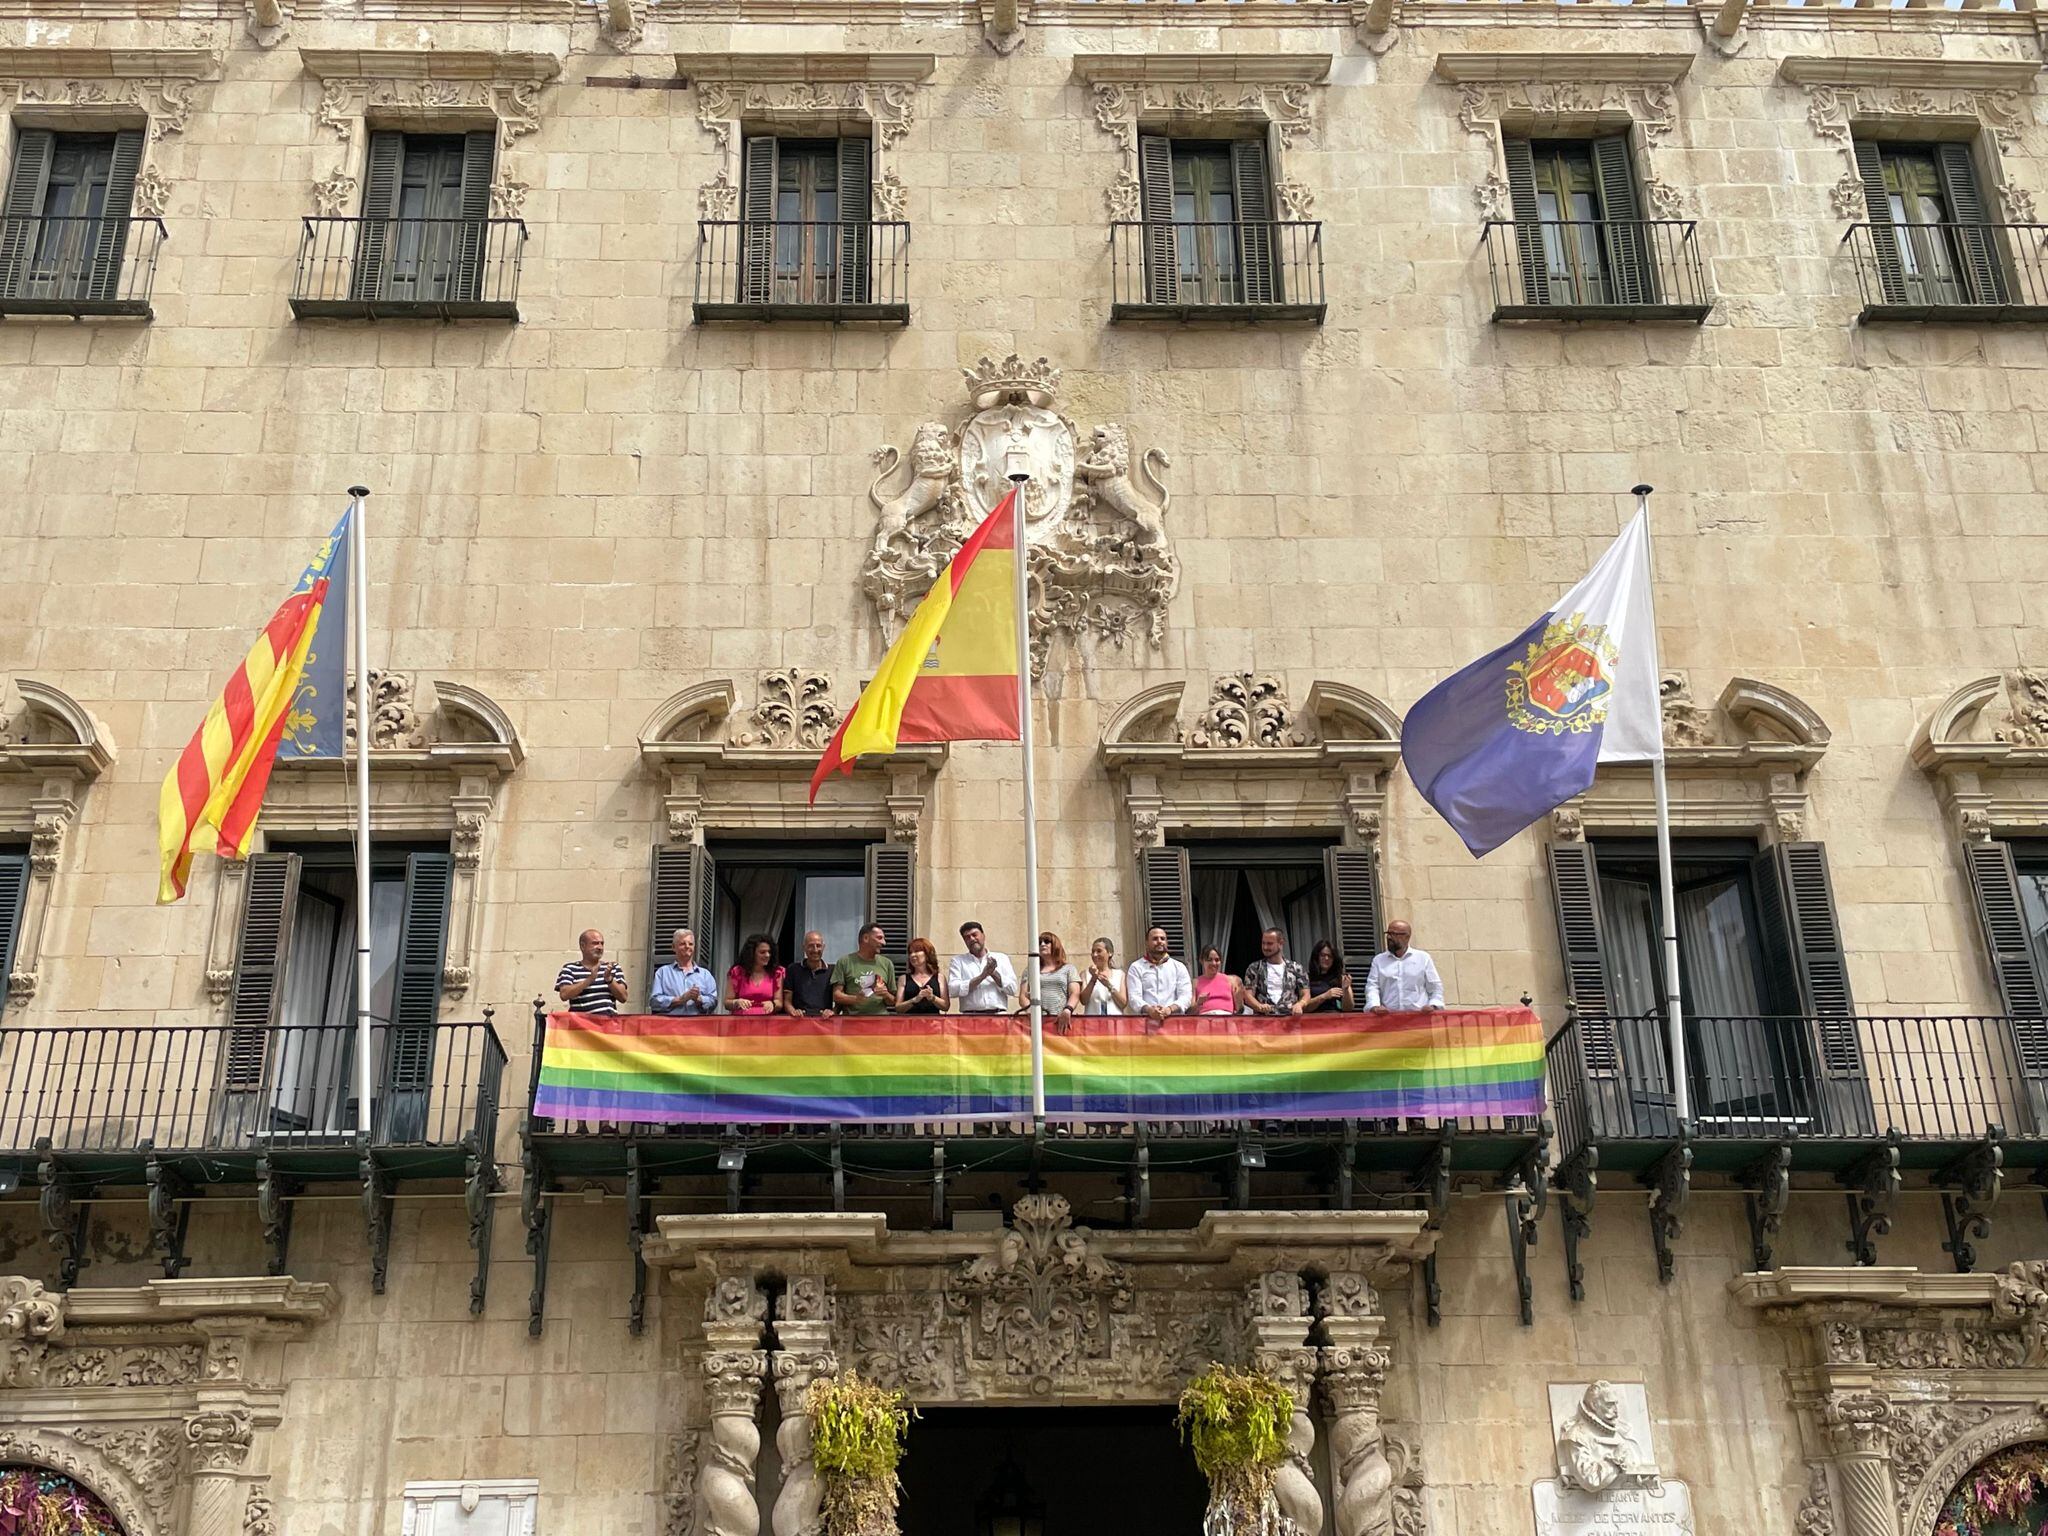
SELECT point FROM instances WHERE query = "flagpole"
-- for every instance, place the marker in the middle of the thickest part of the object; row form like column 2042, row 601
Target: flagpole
column 359, row 626
column 1017, row 465
column 1674, row 1008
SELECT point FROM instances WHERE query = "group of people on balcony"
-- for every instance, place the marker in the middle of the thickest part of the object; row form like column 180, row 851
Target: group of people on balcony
column 979, row 980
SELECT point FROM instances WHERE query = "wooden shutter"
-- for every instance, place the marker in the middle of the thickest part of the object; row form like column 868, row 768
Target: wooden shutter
column 1631, row 268
column 381, row 174
column 26, row 185
column 472, row 244
column 1575, row 895
column 2021, row 986
column 1155, row 207
column 1258, row 245
column 1884, row 236
column 1976, row 247
column 855, row 237
column 272, row 896
column 683, row 893
column 416, row 996
column 1167, row 902
column 110, row 240
column 1529, row 251
column 892, row 897
column 757, row 232
column 1353, row 878
column 1803, row 948
column 13, row 900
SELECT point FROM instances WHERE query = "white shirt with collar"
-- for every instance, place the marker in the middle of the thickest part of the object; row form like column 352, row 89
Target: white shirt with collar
column 1165, row 985
column 964, row 986
column 1408, row 984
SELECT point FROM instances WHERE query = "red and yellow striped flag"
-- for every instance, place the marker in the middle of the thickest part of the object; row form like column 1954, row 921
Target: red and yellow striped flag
column 219, row 779
column 952, row 673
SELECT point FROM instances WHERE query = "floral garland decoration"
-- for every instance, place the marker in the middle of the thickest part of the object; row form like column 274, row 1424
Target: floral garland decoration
column 35, row 1501
column 2003, row 1495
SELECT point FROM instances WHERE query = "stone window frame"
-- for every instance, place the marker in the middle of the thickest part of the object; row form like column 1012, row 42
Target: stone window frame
column 433, row 772
column 1739, row 767
column 51, row 751
column 1990, row 766
column 1570, row 95
column 436, row 91
column 805, row 93
column 92, row 89
column 1208, row 95
column 1982, row 100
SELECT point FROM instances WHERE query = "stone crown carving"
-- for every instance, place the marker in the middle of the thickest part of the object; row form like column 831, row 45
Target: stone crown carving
column 1095, row 511
column 1039, row 1306
column 1250, row 709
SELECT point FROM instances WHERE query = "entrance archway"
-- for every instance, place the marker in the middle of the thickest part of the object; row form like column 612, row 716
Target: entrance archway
column 38, row 1499
column 2005, row 1494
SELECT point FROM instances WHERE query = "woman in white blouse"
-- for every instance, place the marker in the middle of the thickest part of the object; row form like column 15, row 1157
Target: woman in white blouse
column 1102, row 987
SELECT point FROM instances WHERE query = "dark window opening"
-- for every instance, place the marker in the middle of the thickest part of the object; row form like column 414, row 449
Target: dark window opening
column 1580, row 233
column 785, row 890
column 1930, row 233
column 2030, row 861
column 1207, row 207
column 805, row 235
column 14, row 867
column 426, row 227
column 1240, row 888
column 65, row 231
column 1721, row 970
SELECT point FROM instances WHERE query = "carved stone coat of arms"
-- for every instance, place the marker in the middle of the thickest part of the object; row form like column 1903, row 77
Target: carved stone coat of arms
column 1095, row 515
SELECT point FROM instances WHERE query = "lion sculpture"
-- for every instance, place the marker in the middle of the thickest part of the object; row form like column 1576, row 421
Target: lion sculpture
column 1107, row 473
column 931, row 466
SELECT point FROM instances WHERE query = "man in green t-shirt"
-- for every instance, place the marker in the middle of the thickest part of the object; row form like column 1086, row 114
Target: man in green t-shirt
column 865, row 981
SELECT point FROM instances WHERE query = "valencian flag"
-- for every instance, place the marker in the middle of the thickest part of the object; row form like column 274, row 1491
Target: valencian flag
column 219, row 779
column 952, row 673
column 1519, row 732
column 314, row 725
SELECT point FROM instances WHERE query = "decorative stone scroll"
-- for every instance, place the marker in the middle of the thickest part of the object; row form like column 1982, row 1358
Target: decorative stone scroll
column 1094, row 514
column 1205, row 93
column 51, row 750
column 1903, row 1382
column 1567, row 93
column 1986, row 747
column 1916, row 97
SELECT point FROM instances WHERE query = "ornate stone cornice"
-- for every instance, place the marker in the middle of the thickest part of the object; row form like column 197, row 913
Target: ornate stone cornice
column 1910, row 74
column 509, row 68
column 813, row 68
column 111, row 63
column 1986, row 747
column 1587, row 65
column 1192, row 68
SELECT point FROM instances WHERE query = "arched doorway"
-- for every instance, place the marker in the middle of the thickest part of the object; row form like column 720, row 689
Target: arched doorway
column 2005, row 1494
column 46, row 1503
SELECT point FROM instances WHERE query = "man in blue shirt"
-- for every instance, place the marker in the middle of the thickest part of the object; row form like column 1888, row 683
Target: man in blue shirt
column 683, row 986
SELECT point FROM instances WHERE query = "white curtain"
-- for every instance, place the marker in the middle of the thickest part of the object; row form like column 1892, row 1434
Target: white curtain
column 1715, row 937
column 1629, row 918
column 1292, row 901
column 761, row 899
column 1215, row 899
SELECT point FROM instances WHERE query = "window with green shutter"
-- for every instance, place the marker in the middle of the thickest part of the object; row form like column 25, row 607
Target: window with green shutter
column 806, row 207
column 425, row 229
column 1580, row 234
column 1209, row 235
column 13, row 902
column 1931, row 238
column 64, row 224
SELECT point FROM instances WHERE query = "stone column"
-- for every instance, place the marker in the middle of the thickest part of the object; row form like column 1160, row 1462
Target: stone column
column 734, row 1366
column 217, row 1440
column 1858, row 1427
column 1280, row 1348
column 1354, row 1373
column 803, row 1336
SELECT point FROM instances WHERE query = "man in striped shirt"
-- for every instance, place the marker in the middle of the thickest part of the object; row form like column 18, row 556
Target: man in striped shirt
column 591, row 984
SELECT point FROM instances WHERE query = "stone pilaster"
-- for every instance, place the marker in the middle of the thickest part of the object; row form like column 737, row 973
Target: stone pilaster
column 1279, row 1346
column 1858, row 1427
column 803, row 1336
column 734, row 1367
column 217, row 1441
column 1354, row 1373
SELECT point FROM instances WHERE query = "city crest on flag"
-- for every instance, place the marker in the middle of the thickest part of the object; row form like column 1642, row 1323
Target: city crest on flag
column 1563, row 682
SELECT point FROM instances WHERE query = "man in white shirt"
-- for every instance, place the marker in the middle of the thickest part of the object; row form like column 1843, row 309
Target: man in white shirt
column 1403, row 979
column 980, row 981
column 1157, row 984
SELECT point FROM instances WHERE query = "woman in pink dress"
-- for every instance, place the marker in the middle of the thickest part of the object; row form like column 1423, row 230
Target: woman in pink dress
column 1215, row 990
column 754, row 984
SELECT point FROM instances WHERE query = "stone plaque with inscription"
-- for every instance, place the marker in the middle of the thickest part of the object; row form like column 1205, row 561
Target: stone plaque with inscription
column 1665, row 1510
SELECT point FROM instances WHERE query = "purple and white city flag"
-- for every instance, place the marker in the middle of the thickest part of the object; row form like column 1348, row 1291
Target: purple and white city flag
column 1519, row 732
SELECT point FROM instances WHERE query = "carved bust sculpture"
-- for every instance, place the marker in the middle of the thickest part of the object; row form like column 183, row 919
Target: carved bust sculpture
column 1595, row 1452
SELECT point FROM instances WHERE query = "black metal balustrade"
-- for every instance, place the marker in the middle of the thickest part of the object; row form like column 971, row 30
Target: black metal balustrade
column 1597, row 269
column 442, row 269
column 1968, row 272
column 1240, row 270
column 803, row 269
column 79, row 266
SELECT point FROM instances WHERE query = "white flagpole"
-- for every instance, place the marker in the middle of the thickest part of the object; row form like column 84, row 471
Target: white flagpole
column 1674, row 1008
column 1017, row 465
column 359, row 623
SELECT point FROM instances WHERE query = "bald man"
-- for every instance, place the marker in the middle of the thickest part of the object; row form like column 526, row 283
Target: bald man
column 591, row 984
column 1403, row 979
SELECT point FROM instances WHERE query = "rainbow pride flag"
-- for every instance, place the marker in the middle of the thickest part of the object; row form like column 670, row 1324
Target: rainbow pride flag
column 1467, row 1063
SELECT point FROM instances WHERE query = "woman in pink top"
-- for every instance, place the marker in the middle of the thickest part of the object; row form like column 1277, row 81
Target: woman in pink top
column 754, row 985
column 1216, row 992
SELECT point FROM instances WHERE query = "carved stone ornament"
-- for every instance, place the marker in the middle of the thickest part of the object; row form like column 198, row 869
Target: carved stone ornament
column 1567, row 825
column 1095, row 513
column 1039, row 1306
column 152, row 192
column 219, row 1439
column 1538, row 105
column 514, row 104
column 1249, row 709
column 111, row 1464
column 1283, row 110
column 2022, row 1297
column 257, row 1519
column 30, row 1319
column 166, row 101
column 1816, row 1515
column 1686, row 724
column 2026, row 715
column 1598, row 1448
column 394, row 720
column 1833, row 109
column 793, row 712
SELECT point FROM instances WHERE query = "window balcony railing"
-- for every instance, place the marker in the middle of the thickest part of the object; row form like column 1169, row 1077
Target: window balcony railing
column 1967, row 272
column 803, row 269
column 1597, row 269
column 438, row 269
column 79, row 266
column 1239, row 270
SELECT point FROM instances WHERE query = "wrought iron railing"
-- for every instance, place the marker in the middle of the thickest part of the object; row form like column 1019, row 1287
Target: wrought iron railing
column 1944, row 1079
column 79, row 266
column 1950, row 271
column 803, row 268
column 1239, row 268
column 441, row 268
column 1595, row 268
column 220, row 1089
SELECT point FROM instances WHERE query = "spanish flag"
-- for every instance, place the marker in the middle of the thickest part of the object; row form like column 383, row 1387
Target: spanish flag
column 952, row 673
column 219, row 779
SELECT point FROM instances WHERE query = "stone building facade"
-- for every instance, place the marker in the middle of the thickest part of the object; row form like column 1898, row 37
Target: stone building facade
column 1319, row 407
